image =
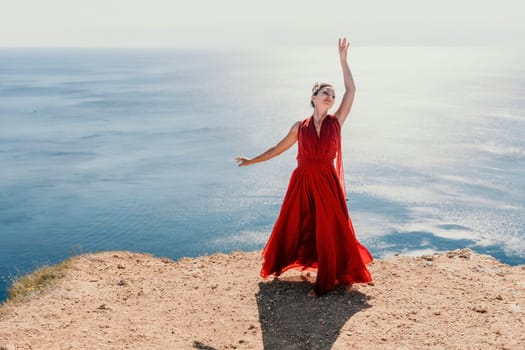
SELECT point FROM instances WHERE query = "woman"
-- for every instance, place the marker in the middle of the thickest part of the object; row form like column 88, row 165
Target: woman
column 314, row 230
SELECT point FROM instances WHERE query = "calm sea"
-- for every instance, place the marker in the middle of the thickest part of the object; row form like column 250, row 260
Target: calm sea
column 133, row 149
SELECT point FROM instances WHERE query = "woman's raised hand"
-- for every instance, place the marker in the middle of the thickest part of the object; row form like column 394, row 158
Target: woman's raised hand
column 343, row 49
column 242, row 161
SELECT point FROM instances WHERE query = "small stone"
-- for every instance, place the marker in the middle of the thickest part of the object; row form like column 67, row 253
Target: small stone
column 120, row 266
column 499, row 297
column 122, row 283
column 517, row 308
column 103, row 307
column 252, row 326
column 437, row 313
column 427, row 257
column 482, row 309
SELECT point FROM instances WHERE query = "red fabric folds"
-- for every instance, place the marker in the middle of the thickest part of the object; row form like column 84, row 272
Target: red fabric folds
column 339, row 168
column 314, row 230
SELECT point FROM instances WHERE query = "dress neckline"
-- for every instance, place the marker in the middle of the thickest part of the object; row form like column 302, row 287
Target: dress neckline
column 320, row 127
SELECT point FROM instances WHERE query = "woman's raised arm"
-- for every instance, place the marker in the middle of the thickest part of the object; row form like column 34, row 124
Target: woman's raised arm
column 348, row 97
column 274, row 151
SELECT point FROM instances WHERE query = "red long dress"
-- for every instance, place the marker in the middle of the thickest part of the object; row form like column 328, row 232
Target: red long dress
column 314, row 230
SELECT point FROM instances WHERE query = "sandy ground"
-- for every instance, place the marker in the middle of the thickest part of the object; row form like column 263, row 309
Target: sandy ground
column 122, row 300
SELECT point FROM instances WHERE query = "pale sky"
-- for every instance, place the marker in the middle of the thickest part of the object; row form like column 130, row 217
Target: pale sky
column 246, row 23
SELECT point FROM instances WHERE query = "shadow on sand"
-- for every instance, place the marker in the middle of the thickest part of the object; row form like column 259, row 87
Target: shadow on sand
column 291, row 320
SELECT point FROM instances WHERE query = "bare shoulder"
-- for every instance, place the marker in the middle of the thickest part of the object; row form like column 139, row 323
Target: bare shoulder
column 295, row 126
column 337, row 119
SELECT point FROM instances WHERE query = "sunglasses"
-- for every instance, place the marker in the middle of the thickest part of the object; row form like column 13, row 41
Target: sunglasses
column 327, row 92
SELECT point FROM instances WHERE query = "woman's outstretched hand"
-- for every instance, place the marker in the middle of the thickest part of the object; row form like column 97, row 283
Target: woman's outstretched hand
column 343, row 49
column 242, row 161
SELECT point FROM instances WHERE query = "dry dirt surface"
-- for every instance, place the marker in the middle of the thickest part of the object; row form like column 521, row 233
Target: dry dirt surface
column 123, row 300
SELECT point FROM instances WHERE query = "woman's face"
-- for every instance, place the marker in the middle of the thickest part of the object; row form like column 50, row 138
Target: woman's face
column 324, row 96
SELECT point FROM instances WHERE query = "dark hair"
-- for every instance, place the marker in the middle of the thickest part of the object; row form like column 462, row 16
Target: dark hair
column 317, row 87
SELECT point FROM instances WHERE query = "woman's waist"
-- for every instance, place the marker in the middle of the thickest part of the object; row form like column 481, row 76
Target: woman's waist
column 316, row 161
